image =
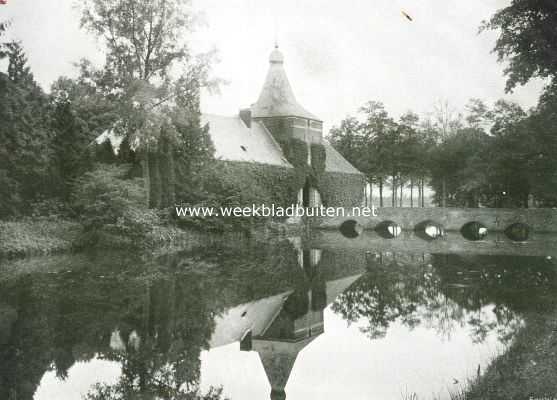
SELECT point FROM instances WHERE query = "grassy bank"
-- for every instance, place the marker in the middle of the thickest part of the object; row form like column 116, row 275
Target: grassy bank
column 43, row 236
column 32, row 237
column 528, row 369
column 37, row 236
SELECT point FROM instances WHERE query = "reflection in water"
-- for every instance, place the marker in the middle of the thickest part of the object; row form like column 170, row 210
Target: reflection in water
column 154, row 317
column 388, row 229
column 518, row 232
column 474, row 231
column 429, row 230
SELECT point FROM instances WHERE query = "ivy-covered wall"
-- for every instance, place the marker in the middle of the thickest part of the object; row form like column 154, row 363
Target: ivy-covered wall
column 260, row 183
column 269, row 184
column 338, row 189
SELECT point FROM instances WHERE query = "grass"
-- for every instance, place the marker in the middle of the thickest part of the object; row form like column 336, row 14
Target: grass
column 37, row 236
column 527, row 370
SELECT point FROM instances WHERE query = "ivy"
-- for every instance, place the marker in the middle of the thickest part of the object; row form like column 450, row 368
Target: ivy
column 318, row 159
column 295, row 151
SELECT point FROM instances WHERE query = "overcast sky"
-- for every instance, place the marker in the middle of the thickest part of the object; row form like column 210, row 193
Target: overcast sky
column 338, row 54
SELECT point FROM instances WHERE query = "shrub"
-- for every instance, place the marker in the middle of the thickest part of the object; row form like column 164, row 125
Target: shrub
column 42, row 235
column 110, row 205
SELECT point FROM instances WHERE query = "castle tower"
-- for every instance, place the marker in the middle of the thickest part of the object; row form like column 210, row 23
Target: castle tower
column 278, row 358
column 281, row 114
column 279, row 110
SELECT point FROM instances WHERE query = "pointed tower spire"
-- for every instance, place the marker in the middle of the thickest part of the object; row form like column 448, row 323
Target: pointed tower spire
column 278, row 359
column 277, row 98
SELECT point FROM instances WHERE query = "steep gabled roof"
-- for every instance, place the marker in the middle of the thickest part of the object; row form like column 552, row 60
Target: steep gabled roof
column 234, row 141
column 335, row 162
column 277, row 98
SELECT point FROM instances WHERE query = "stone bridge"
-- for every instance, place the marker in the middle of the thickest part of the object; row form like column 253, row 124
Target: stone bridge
column 451, row 219
column 495, row 244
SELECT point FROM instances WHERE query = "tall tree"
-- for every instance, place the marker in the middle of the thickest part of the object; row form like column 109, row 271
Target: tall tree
column 150, row 68
column 24, row 134
column 380, row 134
column 527, row 39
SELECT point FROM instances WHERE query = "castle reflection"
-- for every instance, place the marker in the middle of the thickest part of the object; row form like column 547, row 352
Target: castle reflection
column 154, row 316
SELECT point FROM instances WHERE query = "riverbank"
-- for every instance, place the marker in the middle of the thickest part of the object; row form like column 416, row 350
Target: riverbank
column 528, row 370
column 44, row 236
column 38, row 236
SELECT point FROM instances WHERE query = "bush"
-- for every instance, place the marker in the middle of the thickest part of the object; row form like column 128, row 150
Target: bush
column 33, row 236
column 110, row 205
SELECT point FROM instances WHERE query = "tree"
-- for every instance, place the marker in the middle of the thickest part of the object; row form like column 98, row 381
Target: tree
column 143, row 39
column 348, row 139
column 505, row 117
column 541, row 134
column 478, row 114
column 17, row 63
column 25, row 173
column 152, row 71
column 110, row 204
column 380, row 134
column 412, row 157
column 527, row 40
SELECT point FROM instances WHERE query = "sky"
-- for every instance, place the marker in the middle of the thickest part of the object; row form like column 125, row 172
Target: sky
column 338, row 54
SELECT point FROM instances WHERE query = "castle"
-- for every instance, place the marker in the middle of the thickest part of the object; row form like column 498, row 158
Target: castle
column 277, row 132
column 279, row 327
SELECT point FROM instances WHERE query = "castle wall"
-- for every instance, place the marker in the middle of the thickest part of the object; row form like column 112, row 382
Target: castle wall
column 269, row 184
column 338, row 189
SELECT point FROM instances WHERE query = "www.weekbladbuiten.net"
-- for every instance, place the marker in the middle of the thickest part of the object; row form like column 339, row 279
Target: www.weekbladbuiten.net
column 273, row 210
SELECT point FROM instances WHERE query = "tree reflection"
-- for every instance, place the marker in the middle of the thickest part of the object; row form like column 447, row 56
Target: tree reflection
column 445, row 292
column 153, row 316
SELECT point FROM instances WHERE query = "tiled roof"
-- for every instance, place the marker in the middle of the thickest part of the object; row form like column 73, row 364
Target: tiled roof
column 234, row 141
column 277, row 98
column 335, row 162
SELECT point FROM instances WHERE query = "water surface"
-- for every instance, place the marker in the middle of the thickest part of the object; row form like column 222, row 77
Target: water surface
column 325, row 318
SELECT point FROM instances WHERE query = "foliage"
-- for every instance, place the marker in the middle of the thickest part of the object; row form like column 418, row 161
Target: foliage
column 193, row 157
column 318, row 159
column 233, row 184
column 497, row 156
column 297, row 151
column 24, row 133
column 142, row 38
column 123, row 391
column 108, row 204
column 540, row 141
column 380, row 147
column 417, row 292
column 527, row 40
column 157, row 82
column 163, row 310
column 39, row 235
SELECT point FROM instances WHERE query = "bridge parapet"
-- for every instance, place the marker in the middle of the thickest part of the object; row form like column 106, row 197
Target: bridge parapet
column 452, row 219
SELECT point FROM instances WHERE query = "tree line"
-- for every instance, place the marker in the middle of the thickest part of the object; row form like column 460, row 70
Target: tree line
column 496, row 155
column 145, row 95
column 493, row 156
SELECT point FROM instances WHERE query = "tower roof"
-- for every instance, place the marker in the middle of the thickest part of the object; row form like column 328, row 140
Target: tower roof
column 278, row 358
column 277, row 98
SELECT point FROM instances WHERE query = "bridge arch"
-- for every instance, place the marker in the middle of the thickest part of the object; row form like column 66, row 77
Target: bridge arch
column 429, row 230
column 518, row 232
column 388, row 229
column 474, row 231
column 350, row 229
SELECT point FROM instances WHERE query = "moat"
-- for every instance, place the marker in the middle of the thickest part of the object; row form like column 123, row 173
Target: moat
column 285, row 318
